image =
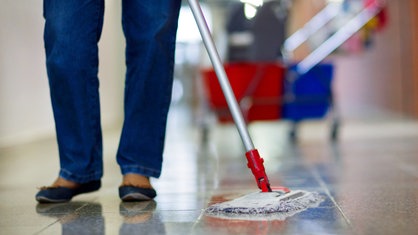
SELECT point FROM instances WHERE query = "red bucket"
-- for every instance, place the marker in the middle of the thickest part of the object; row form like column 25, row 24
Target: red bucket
column 258, row 88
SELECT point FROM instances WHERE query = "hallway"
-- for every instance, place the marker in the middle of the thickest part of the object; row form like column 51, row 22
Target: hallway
column 369, row 179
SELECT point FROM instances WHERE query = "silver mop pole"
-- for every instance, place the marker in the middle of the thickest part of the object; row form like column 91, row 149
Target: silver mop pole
column 221, row 74
column 255, row 162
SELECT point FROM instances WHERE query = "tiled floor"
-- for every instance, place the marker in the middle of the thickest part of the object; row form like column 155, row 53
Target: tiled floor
column 369, row 179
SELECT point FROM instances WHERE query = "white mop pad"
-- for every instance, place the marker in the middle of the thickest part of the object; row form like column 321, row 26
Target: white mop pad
column 274, row 205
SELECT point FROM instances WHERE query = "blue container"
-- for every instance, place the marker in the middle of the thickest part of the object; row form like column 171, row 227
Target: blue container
column 309, row 95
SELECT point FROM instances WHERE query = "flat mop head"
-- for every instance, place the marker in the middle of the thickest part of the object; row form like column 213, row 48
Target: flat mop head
column 275, row 205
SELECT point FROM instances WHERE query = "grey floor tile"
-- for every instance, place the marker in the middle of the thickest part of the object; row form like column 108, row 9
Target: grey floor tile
column 368, row 179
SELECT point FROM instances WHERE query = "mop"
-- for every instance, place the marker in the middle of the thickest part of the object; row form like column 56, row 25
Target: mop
column 276, row 203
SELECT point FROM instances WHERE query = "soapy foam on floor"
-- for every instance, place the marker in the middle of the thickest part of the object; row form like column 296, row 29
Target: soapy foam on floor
column 265, row 206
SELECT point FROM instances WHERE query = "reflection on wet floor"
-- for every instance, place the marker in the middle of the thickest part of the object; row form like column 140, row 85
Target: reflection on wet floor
column 368, row 179
column 75, row 217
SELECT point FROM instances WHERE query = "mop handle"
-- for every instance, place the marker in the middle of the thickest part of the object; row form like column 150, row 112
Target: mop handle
column 255, row 162
column 221, row 74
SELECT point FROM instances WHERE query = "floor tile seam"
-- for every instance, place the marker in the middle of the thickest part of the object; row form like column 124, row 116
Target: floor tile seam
column 324, row 187
column 47, row 226
column 198, row 220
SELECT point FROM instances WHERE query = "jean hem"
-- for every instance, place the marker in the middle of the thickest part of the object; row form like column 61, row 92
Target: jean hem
column 81, row 179
column 134, row 169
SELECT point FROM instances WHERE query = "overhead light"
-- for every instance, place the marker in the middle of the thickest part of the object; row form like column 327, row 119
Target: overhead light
column 250, row 11
column 250, row 7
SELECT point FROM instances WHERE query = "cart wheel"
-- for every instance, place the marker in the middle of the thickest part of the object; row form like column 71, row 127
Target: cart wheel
column 334, row 131
column 205, row 135
column 293, row 136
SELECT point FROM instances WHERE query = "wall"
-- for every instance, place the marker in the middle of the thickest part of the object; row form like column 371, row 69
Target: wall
column 413, row 22
column 25, row 110
column 381, row 81
column 370, row 84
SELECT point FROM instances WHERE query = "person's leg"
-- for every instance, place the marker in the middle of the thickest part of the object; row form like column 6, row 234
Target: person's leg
column 150, row 28
column 72, row 31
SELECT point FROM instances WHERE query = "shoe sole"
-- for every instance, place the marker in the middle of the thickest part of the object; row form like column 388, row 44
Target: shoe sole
column 135, row 197
column 49, row 200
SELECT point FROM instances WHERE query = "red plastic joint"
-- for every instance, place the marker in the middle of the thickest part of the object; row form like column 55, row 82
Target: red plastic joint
column 281, row 188
column 255, row 163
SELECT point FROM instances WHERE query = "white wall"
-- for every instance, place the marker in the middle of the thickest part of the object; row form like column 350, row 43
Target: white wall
column 25, row 110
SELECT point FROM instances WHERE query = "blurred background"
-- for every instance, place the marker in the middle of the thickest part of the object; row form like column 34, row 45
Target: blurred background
column 375, row 70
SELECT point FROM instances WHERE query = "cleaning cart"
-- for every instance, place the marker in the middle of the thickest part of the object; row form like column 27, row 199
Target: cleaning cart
column 287, row 90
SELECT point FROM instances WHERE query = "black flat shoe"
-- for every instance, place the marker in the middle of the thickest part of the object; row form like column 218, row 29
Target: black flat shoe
column 62, row 194
column 135, row 194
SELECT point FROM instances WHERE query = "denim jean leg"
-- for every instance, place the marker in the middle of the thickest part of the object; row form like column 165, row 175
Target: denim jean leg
column 71, row 34
column 150, row 28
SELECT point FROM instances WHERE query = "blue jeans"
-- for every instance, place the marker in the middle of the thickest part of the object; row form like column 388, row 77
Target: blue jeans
column 72, row 32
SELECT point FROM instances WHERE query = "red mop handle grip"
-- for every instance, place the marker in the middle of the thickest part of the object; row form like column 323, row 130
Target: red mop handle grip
column 255, row 163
